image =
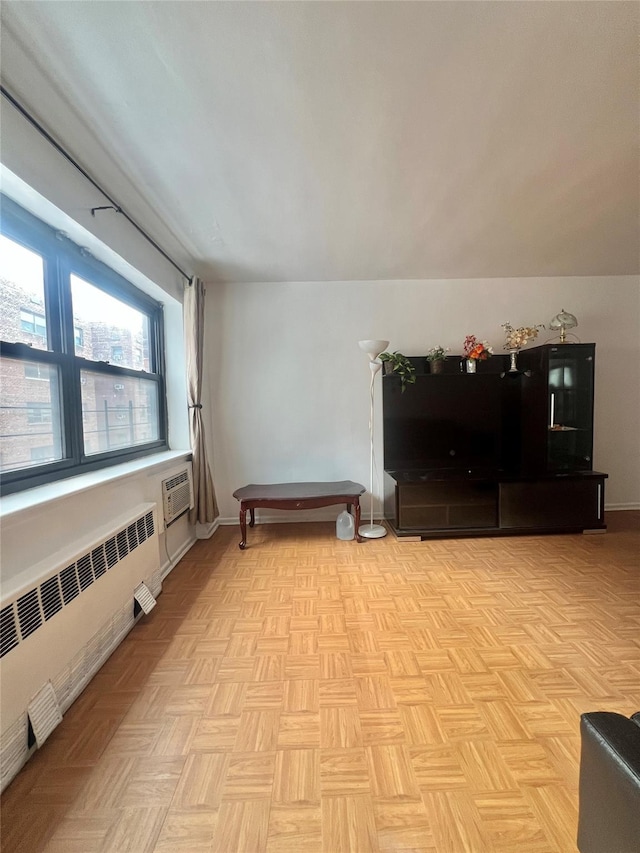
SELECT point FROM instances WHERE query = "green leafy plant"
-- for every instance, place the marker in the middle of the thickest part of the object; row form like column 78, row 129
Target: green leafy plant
column 396, row 362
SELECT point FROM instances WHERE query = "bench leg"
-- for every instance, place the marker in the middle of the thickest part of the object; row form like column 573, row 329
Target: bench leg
column 243, row 528
column 252, row 517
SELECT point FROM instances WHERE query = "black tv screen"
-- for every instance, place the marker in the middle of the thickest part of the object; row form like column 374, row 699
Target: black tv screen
column 448, row 421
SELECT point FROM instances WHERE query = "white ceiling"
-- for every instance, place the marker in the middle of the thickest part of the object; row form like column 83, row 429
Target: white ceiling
column 351, row 140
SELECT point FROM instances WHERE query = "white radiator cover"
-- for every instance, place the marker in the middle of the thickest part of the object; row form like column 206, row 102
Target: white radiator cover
column 69, row 646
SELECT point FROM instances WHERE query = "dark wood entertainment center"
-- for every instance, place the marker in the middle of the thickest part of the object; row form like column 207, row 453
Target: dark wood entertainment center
column 494, row 453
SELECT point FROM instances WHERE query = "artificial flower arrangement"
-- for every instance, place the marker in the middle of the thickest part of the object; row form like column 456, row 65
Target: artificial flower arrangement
column 437, row 353
column 475, row 349
column 518, row 338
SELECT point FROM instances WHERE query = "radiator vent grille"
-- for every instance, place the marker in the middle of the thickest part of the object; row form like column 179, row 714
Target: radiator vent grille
column 177, row 495
column 50, row 597
column 42, row 603
column 98, row 561
column 85, row 572
column 8, row 630
column 69, row 581
column 142, row 595
column 142, row 530
column 44, row 713
column 123, row 547
column 29, row 615
column 111, row 552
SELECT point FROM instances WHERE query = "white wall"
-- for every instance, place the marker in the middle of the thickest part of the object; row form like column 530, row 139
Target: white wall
column 41, row 180
column 289, row 385
column 27, row 154
column 40, row 522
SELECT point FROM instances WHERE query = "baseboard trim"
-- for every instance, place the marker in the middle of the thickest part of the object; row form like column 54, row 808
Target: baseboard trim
column 630, row 505
column 302, row 516
column 171, row 562
column 298, row 516
column 206, row 531
column 294, row 517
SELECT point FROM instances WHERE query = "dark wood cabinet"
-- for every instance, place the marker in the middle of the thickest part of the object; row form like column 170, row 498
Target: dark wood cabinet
column 446, row 504
column 556, row 391
column 574, row 502
column 496, row 453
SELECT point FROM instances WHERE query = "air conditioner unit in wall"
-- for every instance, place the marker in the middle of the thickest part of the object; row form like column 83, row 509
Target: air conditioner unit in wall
column 177, row 495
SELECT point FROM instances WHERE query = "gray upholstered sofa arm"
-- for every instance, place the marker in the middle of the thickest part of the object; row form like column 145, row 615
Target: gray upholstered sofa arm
column 609, row 816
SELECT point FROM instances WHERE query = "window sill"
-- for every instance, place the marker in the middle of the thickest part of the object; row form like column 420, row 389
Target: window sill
column 32, row 498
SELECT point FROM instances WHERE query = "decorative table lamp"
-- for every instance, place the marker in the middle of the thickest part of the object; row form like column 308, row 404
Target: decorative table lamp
column 562, row 322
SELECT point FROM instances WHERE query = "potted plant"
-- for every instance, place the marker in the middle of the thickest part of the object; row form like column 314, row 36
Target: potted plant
column 436, row 357
column 474, row 351
column 396, row 362
column 516, row 339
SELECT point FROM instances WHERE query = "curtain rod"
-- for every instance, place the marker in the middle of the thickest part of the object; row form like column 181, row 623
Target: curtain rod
column 114, row 205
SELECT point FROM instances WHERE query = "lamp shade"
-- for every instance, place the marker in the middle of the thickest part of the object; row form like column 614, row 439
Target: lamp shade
column 563, row 319
column 373, row 348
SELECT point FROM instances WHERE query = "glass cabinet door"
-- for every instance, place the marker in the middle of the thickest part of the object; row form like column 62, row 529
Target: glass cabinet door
column 570, row 408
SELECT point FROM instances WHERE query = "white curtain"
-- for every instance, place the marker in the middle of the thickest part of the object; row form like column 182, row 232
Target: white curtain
column 206, row 508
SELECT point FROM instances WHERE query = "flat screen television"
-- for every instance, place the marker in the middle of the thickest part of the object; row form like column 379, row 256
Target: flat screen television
column 444, row 422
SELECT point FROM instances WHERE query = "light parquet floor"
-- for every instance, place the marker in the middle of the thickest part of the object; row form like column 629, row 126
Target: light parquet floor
column 309, row 694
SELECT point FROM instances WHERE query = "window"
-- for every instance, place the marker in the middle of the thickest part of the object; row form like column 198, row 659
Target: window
column 24, row 316
column 34, row 323
column 35, row 371
column 38, row 413
column 81, row 381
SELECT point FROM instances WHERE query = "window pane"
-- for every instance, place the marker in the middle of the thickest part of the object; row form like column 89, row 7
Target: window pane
column 117, row 412
column 106, row 329
column 39, row 413
column 23, row 315
column 30, row 416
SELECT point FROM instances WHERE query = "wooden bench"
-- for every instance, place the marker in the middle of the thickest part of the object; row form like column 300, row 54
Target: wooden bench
column 297, row 496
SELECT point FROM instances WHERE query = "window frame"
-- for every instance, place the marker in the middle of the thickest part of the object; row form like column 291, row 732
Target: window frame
column 63, row 258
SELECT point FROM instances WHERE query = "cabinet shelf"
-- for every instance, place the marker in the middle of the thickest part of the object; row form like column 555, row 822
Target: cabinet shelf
column 523, row 465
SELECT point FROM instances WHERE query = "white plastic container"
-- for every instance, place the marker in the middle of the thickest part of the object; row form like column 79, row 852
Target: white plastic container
column 345, row 527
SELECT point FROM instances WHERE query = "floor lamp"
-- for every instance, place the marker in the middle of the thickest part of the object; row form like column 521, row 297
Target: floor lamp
column 373, row 350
